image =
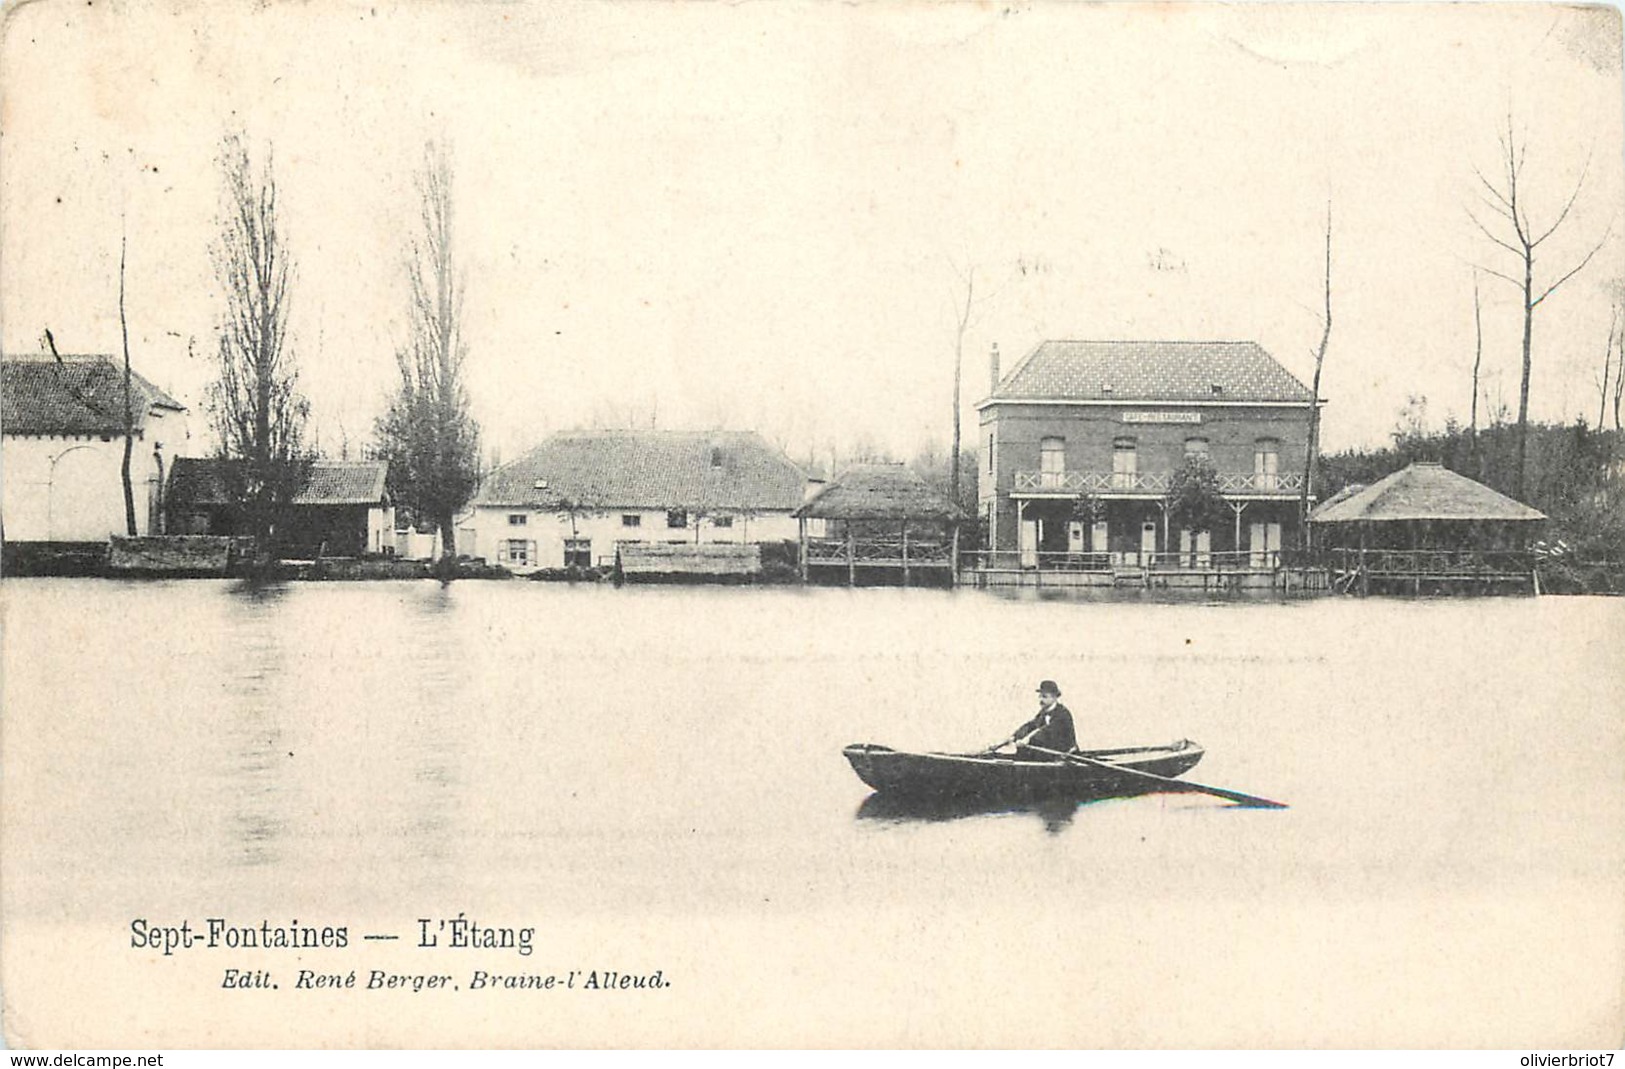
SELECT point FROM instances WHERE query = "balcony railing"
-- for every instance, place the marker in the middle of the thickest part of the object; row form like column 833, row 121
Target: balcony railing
column 1153, row 482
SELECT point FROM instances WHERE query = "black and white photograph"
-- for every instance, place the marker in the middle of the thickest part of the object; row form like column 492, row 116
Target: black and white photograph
column 921, row 525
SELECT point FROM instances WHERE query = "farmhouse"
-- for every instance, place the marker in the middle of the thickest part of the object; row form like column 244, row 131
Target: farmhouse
column 577, row 497
column 63, row 421
column 1080, row 442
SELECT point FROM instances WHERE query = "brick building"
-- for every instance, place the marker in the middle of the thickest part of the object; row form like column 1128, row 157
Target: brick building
column 1108, row 422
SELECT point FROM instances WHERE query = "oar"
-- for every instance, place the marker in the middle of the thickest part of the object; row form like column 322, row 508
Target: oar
column 1166, row 781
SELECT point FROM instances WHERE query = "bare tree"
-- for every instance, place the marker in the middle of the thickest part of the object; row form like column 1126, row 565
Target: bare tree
column 1507, row 198
column 258, row 412
column 428, row 435
column 1478, row 363
column 1312, row 452
column 1604, row 385
column 575, row 507
column 1619, row 373
column 129, row 402
column 960, row 326
column 91, row 401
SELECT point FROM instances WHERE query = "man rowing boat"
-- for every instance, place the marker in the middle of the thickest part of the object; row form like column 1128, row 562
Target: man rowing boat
column 1051, row 729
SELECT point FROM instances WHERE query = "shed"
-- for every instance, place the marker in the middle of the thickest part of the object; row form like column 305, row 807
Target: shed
column 886, row 516
column 341, row 507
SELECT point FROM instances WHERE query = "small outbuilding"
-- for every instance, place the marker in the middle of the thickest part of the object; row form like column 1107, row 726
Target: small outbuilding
column 341, row 508
column 884, row 520
column 1428, row 525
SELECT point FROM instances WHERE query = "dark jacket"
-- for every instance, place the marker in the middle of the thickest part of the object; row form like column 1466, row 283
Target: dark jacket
column 1051, row 730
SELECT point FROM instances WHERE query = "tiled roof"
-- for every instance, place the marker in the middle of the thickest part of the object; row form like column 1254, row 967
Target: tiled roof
column 80, row 394
column 879, row 492
column 1422, row 491
column 206, row 481
column 721, row 470
column 344, row 482
column 1179, row 371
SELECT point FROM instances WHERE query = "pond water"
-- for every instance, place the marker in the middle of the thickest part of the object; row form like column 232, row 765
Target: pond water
column 651, row 778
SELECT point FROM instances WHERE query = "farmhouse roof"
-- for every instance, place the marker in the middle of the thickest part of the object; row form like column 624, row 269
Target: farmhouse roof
column 1178, row 371
column 649, row 469
column 879, row 492
column 1423, row 491
column 78, row 394
column 207, row 481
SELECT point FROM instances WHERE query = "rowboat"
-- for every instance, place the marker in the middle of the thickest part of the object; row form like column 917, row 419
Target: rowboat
column 1107, row 773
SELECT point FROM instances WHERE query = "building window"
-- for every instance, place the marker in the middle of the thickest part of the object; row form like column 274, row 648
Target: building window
column 578, row 553
column 1052, row 463
column 631, row 519
column 676, row 517
column 1196, row 447
column 1267, row 464
column 1217, row 390
column 516, row 551
column 716, row 456
column 1125, row 464
column 990, row 454
column 722, row 521
column 517, row 519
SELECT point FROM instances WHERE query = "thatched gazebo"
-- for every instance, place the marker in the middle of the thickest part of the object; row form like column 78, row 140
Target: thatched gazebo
column 1426, row 522
column 882, row 516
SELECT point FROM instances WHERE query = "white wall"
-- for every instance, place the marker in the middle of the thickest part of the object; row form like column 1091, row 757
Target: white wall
column 69, row 488
column 548, row 531
column 380, row 530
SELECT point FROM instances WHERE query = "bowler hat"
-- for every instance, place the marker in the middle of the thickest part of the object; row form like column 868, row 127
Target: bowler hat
column 1049, row 687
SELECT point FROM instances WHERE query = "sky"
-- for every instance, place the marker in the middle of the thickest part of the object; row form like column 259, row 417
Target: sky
column 762, row 215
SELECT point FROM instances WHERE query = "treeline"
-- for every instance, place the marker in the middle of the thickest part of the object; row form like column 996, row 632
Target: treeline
column 1574, row 474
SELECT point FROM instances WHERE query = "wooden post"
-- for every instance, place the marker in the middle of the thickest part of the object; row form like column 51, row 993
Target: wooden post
column 953, row 561
column 1365, row 576
column 801, row 525
column 905, row 552
column 851, row 556
column 1021, row 520
column 1416, row 560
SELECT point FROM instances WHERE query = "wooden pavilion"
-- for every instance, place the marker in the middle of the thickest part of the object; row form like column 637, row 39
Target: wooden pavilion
column 1426, row 525
column 881, row 520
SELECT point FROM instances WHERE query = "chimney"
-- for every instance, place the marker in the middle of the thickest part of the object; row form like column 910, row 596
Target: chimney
column 993, row 369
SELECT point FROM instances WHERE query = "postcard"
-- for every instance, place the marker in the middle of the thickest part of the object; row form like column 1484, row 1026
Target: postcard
column 686, row 525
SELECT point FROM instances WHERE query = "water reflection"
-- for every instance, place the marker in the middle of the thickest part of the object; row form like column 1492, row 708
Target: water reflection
column 438, row 601
column 259, row 591
column 254, row 762
column 1056, row 813
column 433, row 749
column 1142, row 596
